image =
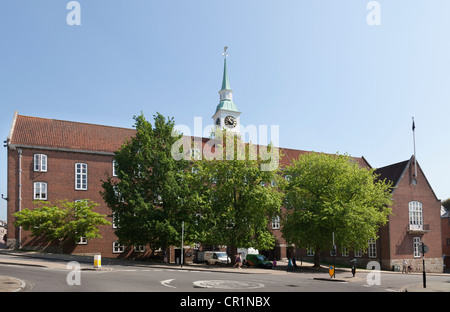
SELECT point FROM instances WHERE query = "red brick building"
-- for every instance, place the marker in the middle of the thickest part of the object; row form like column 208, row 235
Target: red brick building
column 415, row 218
column 55, row 160
column 445, row 228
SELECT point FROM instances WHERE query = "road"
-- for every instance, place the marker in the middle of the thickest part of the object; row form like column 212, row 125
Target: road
column 52, row 276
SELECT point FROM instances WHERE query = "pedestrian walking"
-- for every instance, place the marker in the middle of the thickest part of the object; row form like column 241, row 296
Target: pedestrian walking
column 289, row 266
column 404, row 267
column 238, row 261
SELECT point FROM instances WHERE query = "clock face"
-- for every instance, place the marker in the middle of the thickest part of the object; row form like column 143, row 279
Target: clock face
column 230, row 121
column 218, row 121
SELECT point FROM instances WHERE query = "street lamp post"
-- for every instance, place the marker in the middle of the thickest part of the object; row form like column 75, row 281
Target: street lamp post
column 182, row 247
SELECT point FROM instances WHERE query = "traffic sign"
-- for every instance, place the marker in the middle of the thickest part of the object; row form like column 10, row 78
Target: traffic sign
column 423, row 248
column 331, row 270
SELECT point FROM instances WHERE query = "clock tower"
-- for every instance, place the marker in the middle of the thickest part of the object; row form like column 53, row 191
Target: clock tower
column 226, row 115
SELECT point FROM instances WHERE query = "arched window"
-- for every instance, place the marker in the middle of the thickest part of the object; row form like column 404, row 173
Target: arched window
column 415, row 216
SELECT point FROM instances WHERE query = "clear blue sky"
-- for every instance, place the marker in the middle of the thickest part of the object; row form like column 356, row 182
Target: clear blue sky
column 315, row 68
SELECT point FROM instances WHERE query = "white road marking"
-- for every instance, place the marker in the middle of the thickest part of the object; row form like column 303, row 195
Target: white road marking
column 167, row 282
column 227, row 284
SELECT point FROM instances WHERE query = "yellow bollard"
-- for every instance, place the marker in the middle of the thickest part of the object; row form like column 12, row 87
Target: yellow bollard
column 97, row 261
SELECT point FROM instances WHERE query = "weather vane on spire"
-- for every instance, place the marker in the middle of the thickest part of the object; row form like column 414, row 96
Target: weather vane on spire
column 225, row 53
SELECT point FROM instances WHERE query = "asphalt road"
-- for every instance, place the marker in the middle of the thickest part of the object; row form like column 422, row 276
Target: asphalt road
column 193, row 286
column 40, row 277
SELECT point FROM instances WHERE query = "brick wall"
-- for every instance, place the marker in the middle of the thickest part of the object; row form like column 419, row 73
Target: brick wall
column 60, row 179
column 401, row 238
column 445, row 228
column 395, row 245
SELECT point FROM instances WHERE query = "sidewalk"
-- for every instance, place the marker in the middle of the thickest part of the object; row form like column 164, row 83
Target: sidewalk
column 10, row 284
column 431, row 287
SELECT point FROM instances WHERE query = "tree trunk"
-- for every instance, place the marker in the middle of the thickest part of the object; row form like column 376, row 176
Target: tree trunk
column 233, row 253
column 61, row 245
column 316, row 259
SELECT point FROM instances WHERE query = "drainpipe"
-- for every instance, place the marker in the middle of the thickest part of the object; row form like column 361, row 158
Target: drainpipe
column 19, row 151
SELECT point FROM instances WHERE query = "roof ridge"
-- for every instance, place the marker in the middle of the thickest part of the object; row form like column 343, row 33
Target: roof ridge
column 74, row 122
column 395, row 164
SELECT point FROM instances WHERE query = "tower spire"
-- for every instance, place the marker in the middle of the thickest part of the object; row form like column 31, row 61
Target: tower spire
column 226, row 114
column 414, row 143
column 226, row 95
column 225, row 81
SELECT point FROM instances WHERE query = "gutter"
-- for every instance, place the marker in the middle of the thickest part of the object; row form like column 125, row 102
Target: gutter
column 19, row 151
column 70, row 150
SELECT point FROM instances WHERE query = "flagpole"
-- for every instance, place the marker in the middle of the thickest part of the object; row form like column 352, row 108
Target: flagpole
column 414, row 142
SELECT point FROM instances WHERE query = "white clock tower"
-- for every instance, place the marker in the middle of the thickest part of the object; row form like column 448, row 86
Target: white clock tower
column 226, row 115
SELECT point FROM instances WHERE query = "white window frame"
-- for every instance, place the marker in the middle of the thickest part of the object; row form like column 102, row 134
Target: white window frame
column 416, row 247
column 82, row 241
column 196, row 154
column 118, row 194
column 43, row 190
column 139, row 248
column 372, row 251
column 276, row 223
column 344, row 251
column 79, row 175
column 415, row 215
column 117, row 248
column 310, row 252
column 40, row 162
column 114, row 168
column 115, row 220
column 358, row 253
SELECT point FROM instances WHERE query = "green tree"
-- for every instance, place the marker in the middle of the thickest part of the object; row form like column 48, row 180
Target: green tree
column 326, row 194
column 65, row 222
column 446, row 204
column 235, row 199
column 148, row 198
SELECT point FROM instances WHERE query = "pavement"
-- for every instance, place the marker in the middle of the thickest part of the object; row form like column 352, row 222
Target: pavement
column 60, row 261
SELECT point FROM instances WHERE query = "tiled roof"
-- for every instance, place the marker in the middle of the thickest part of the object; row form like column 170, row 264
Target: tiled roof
column 288, row 155
column 69, row 135
column 392, row 172
column 51, row 133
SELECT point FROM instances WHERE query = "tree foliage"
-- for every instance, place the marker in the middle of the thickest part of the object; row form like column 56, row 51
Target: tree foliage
column 446, row 204
column 148, row 196
column 63, row 222
column 236, row 200
column 326, row 194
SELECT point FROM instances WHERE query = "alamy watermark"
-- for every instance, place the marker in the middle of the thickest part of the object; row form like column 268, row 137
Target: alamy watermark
column 191, row 145
column 74, row 16
column 74, row 276
column 374, row 277
column 374, row 16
